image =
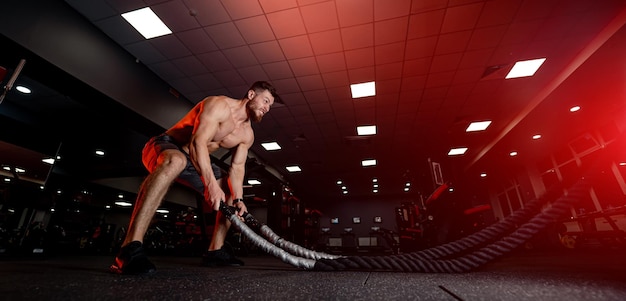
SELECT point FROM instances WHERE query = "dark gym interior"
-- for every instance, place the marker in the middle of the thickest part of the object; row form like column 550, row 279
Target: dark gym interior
column 70, row 146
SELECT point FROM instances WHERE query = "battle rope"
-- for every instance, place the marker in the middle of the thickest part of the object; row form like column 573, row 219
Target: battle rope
column 465, row 263
column 265, row 245
column 427, row 260
column 483, row 237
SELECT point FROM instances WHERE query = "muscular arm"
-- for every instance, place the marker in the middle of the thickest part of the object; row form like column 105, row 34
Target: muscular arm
column 212, row 113
column 237, row 172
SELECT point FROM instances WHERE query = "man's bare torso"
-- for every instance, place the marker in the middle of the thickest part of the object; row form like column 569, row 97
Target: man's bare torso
column 229, row 133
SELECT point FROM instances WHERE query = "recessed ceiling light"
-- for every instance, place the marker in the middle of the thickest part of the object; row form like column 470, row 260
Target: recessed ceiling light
column 537, row 136
column 478, row 126
column 374, row 180
column 345, row 192
column 457, row 151
column 363, row 89
column 120, row 196
column 254, row 182
column 147, row 23
column 100, row 152
column 406, row 188
column 123, row 204
column 293, row 168
column 366, row 130
column 23, row 89
column 270, row 146
column 48, row 160
column 375, row 191
column 484, row 174
column 162, row 211
column 574, row 108
column 339, row 182
column 20, row 170
column 513, row 154
column 525, row 68
column 368, row 162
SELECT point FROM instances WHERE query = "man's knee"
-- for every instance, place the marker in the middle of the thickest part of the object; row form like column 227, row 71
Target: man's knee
column 172, row 160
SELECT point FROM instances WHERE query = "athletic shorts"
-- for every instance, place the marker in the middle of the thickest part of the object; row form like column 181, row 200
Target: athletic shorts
column 189, row 176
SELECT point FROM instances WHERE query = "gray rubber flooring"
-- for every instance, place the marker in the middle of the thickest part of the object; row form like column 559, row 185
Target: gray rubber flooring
column 525, row 275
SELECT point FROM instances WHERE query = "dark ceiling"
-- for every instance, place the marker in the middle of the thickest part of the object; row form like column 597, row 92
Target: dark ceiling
column 438, row 65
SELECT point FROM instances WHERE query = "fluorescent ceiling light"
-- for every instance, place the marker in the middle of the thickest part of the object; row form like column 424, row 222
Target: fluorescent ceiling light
column 525, row 68
column 535, row 137
column 270, row 146
column 478, row 126
column 366, row 130
column 6, row 168
column 23, row 89
column 574, row 108
column 368, row 162
column 254, row 182
column 363, row 89
column 48, row 160
column 162, row 211
column 147, row 23
column 123, row 204
column 457, row 151
column 293, row 168
column 339, row 182
column 100, row 152
column 513, row 154
column 20, row 170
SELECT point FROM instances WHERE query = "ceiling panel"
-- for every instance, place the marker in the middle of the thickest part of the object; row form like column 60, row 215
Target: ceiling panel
column 438, row 65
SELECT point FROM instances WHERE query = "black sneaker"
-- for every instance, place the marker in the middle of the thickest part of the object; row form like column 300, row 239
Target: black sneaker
column 220, row 258
column 132, row 260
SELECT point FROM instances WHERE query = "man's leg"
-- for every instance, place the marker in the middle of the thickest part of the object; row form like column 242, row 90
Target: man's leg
column 131, row 259
column 152, row 191
column 217, row 254
column 221, row 229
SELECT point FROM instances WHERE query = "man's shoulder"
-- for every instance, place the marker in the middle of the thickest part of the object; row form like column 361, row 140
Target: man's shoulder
column 217, row 98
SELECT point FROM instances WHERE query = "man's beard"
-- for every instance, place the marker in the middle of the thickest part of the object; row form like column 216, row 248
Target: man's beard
column 253, row 116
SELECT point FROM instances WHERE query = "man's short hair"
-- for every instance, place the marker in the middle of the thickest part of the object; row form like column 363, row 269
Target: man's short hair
column 259, row 86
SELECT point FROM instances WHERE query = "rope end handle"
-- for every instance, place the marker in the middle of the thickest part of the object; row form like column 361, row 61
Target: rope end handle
column 230, row 210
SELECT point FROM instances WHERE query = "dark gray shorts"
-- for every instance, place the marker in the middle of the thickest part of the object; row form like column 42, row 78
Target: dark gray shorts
column 189, row 176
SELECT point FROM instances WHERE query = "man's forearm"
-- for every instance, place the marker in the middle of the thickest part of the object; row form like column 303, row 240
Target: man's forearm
column 236, row 181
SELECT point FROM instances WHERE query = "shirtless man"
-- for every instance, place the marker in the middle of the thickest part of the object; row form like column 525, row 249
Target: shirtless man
column 181, row 154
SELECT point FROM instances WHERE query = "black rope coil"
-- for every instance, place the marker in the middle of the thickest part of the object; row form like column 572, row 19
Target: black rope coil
column 412, row 262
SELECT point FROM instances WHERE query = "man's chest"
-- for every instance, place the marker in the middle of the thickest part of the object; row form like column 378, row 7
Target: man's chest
column 235, row 137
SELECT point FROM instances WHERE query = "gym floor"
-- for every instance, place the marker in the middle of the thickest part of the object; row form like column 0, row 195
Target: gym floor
column 523, row 275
